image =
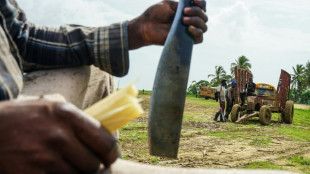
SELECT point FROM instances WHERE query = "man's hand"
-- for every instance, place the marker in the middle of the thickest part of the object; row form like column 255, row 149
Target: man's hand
column 39, row 136
column 153, row 26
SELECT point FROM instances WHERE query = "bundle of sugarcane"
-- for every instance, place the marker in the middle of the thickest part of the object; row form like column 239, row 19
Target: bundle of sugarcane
column 117, row 109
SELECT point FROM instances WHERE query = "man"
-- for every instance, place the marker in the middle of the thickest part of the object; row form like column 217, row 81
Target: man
column 40, row 136
column 231, row 98
column 250, row 87
column 220, row 93
column 249, row 90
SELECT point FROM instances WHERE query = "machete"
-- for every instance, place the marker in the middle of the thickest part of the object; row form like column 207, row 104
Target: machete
column 169, row 89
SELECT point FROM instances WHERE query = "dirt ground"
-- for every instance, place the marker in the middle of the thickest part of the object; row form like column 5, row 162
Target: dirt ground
column 199, row 149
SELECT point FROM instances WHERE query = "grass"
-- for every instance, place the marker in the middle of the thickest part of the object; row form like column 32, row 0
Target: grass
column 290, row 164
column 202, row 101
column 258, row 139
column 194, row 117
column 300, row 129
column 295, row 133
column 154, row 160
column 301, row 160
column 302, row 163
column 134, row 131
column 302, row 117
column 145, row 92
column 263, row 165
column 261, row 141
column 251, row 132
column 125, row 157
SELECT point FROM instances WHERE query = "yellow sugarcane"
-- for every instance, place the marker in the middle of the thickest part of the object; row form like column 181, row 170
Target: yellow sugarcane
column 117, row 109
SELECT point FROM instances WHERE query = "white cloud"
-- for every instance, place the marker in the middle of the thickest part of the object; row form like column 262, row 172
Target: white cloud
column 273, row 34
column 85, row 12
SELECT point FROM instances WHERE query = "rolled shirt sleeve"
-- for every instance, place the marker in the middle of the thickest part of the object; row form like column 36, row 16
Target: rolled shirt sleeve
column 26, row 47
column 44, row 47
column 73, row 45
column 111, row 49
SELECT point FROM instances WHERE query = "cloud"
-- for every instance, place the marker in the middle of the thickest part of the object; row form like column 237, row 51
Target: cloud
column 259, row 30
column 240, row 26
column 273, row 34
column 85, row 12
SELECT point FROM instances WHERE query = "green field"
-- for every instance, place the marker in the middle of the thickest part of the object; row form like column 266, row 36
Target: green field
column 208, row 144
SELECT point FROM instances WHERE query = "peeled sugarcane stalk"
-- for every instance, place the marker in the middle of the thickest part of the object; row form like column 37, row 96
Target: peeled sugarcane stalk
column 117, row 109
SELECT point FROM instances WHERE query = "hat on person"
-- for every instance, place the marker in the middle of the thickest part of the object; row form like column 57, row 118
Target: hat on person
column 234, row 82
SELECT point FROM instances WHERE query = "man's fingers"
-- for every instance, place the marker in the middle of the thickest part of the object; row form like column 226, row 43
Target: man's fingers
column 195, row 21
column 201, row 3
column 101, row 142
column 48, row 161
column 98, row 139
column 195, row 11
column 62, row 166
column 197, row 33
column 78, row 155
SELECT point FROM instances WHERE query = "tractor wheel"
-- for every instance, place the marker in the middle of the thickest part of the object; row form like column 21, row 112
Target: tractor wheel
column 206, row 98
column 288, row 112
column 265, row 115
column 235, row 112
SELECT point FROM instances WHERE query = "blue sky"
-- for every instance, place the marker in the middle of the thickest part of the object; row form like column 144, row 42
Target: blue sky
column 273, row 34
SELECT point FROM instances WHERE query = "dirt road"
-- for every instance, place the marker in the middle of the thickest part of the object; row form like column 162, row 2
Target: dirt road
column 208, row 144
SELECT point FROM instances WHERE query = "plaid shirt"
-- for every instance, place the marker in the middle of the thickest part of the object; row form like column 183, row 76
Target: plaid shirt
column 25, row 47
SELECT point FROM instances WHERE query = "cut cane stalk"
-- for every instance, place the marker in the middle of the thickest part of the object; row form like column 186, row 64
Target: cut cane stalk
column 116, row 110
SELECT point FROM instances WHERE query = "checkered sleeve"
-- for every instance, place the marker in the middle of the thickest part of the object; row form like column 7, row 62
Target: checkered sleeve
column 111, row 49
column 73, row 45
column 42, row 47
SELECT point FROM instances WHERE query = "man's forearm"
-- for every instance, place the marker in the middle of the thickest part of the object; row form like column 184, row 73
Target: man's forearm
column 72, row 45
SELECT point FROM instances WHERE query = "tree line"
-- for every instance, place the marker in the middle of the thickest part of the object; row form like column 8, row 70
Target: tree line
column 300, row 85
column 219, row 74
column 300, row 79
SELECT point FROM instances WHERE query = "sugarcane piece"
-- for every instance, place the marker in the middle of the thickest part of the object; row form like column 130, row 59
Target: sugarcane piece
column 117, row 109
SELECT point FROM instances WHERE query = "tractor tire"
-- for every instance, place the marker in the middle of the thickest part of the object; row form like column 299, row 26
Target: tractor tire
column 206, row 98
column 288, row 112
column 235, row 112
column 265, row 115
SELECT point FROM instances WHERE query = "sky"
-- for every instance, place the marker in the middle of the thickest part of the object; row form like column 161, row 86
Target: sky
column 273, row 34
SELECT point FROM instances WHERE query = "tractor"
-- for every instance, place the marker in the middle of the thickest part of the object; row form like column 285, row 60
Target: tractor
column 262, row 105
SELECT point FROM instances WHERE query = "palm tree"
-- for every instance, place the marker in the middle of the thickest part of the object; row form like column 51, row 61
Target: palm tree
column 297, row 78
column 219, row 74
column 307, row 74
column 298, row 75
column 241, row 62
column 229, row 79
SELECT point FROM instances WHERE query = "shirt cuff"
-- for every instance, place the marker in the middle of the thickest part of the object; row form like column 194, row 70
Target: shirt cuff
column 111, row 49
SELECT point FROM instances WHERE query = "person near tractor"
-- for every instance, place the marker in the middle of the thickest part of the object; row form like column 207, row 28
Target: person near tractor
column 231, row 98
column 41, row 136
column 220, row 97
column 250, row 87
column 249, row 90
